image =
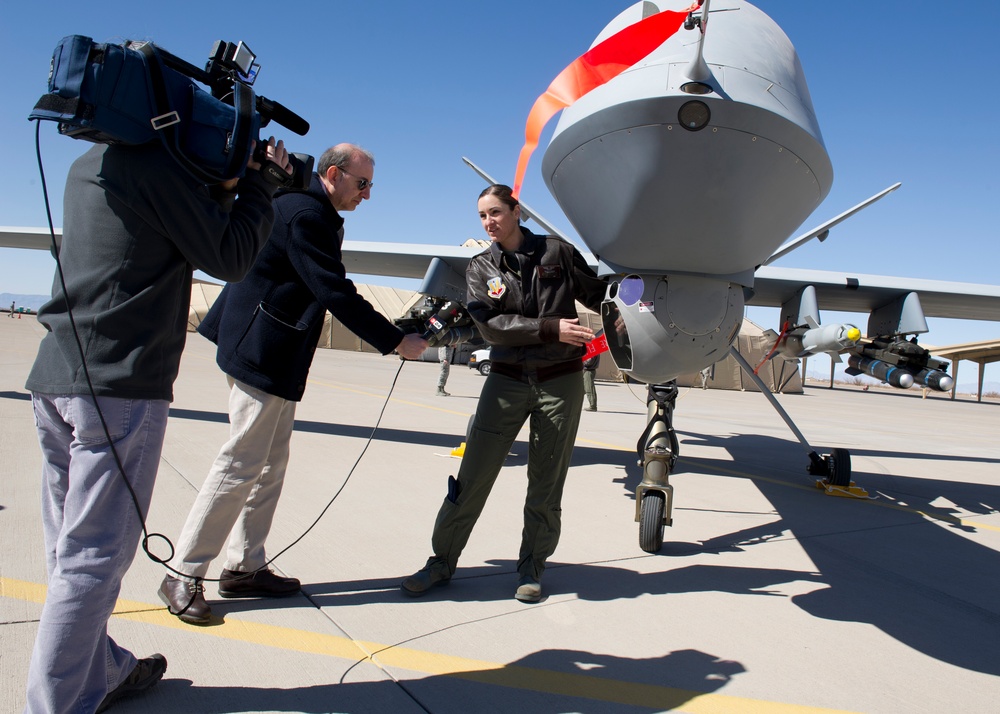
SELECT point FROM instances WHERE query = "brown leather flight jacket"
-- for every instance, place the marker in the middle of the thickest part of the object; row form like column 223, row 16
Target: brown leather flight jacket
column 517, row 299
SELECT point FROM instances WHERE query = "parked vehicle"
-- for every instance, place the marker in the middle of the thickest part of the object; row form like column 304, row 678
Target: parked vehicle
column 480, row 359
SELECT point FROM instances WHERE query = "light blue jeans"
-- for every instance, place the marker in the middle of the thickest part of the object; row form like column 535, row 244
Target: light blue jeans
column 91, row 530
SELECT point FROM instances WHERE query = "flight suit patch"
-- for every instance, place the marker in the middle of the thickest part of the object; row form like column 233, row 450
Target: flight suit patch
column 496, row 288
column 550, row 272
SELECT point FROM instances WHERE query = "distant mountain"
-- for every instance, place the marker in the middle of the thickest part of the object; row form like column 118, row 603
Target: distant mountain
column 32, row 302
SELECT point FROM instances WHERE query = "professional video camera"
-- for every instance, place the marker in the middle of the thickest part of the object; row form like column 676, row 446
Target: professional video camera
column 136, row 92
column 441, row 322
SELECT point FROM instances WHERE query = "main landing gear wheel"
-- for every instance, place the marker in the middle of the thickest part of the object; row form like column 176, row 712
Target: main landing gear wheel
column 651, row 521
column 839, row 463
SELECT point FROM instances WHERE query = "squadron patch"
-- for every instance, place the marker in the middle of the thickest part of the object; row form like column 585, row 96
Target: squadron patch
column 496, row 287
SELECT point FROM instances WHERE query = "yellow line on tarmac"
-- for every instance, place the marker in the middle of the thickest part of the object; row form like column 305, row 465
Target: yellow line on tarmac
column 436, row 664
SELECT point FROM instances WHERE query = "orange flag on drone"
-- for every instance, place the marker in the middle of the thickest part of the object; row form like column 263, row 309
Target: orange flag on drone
column 592, row 69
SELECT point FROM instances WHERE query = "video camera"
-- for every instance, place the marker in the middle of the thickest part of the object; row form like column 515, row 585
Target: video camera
column 230, row 62
column 136, row 92
column 441, row 322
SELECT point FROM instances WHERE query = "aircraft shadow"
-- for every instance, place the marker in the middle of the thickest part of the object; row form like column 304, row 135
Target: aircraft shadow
column 916, row 577
column 682, row 675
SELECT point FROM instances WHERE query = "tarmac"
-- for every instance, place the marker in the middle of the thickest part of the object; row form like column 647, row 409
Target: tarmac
column 768, row 595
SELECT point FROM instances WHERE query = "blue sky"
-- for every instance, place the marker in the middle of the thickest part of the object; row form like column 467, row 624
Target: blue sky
column 904, row 92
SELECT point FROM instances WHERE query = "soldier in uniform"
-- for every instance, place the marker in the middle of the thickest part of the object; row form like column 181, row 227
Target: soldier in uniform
column 522, row 294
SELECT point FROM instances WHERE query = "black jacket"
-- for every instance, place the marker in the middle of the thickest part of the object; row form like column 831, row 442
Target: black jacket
column 137, row 225
column 267, row 326
column 517, row 299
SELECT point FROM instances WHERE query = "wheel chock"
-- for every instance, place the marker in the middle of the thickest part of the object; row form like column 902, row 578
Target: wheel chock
column 459, row 450
column 852, row 491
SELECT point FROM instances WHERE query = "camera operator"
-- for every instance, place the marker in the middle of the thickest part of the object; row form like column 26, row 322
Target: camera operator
column 136, row 227
column 267, row 328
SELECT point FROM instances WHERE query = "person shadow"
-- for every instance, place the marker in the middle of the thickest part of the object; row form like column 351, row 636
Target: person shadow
column 549, row 680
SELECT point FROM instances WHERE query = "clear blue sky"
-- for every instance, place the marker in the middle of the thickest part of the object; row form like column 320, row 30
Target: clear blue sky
column 904, row 92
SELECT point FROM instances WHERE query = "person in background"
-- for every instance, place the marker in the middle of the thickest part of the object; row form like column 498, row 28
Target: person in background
column 136, row 226
column 446, row 355
column 267, row 328
column 589, row 388
column 522, row 294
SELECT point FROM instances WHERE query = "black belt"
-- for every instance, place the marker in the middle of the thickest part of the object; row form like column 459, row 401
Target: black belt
column 540, row 374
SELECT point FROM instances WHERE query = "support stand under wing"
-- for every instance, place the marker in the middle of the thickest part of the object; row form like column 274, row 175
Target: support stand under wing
column 833, row 469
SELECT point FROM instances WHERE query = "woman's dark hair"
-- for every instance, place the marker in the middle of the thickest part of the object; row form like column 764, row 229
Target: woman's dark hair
column 503, row 193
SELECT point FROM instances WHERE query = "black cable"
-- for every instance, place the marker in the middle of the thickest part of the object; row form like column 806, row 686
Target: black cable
column 79, row 343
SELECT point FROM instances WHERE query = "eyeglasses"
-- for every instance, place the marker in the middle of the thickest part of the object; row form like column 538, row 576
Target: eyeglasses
column 363, row 183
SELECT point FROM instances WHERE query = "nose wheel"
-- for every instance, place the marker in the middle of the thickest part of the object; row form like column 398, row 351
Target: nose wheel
column 651, row 512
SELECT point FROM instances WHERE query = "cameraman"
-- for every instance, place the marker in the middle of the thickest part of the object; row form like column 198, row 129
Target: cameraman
column 136, row 227
column 267, row 328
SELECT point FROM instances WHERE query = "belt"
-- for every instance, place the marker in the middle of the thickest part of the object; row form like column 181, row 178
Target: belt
column 538, row 374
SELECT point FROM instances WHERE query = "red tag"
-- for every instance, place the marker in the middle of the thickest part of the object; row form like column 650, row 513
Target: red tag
column 596, row 346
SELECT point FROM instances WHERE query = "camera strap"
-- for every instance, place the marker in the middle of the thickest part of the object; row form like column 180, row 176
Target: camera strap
column 167, row 123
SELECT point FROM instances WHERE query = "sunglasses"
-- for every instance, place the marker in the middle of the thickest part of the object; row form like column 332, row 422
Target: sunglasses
column 363, row 183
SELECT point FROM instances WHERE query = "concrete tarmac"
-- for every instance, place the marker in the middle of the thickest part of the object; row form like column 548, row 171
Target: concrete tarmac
column 767, row 596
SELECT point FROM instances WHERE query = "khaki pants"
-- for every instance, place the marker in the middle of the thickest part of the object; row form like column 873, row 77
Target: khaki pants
column 241, row 491
column 553, row 408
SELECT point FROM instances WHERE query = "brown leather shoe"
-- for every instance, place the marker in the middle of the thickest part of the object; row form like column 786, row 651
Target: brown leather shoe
column 262, row 583
column 186, row 599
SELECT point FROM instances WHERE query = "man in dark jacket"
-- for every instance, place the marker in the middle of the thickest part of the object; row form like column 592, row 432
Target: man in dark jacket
column 267, row 328
column 136, row 227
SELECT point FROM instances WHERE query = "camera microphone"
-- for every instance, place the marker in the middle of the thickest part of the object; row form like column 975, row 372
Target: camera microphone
column 270, row 109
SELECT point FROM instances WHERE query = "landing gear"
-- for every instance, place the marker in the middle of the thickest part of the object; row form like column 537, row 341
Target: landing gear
column 657, row 450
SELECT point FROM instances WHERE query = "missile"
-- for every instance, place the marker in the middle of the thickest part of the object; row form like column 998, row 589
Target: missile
column 882, row 371
column 805, row 341
column 934, row 379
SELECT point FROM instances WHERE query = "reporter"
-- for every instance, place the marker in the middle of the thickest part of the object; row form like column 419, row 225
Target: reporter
column 136, row 227
column 267, row 328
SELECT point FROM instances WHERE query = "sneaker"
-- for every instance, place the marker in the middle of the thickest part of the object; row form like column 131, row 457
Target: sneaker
column 186, row 600
column 528, row 589
column 144, row 675
column 423, row 580
column 260, row 583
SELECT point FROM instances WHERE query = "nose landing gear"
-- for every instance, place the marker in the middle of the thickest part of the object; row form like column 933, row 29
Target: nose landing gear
column 658, row 450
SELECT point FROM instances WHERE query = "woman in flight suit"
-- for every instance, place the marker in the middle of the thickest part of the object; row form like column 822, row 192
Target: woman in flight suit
column 521, row 294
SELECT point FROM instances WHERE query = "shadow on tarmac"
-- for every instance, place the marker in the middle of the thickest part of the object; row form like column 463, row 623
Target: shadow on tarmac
column 674, row 674
column 916, row 577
